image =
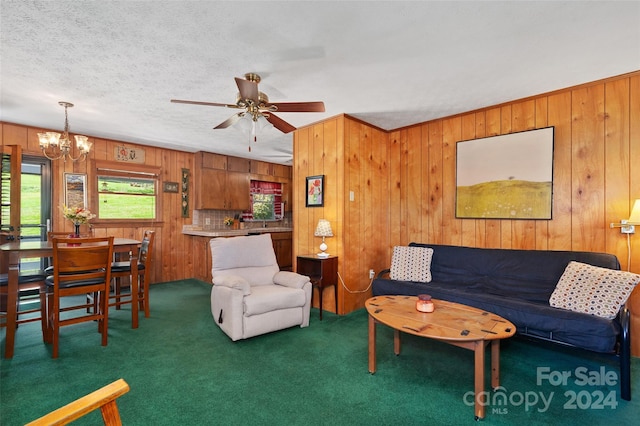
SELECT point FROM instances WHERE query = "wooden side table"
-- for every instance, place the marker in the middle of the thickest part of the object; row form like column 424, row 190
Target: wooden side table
column 323, row 272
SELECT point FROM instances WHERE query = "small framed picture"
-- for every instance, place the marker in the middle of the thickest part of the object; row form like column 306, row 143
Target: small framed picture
column 170, row 187
column 315, row 191
column 75, row 190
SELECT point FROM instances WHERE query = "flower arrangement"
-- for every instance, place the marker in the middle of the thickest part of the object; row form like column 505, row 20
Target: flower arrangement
column 228, row 221
column 77, row 215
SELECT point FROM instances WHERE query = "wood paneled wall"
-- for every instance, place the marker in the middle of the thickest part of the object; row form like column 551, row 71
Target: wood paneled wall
column 173, row 258
column 353, row 156
column 404, row 182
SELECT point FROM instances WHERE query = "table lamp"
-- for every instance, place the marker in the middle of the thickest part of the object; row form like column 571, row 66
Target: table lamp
column 323, row 230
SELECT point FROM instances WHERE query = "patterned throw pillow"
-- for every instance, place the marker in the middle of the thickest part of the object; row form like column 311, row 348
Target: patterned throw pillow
column 411, row 264
column 593, row 290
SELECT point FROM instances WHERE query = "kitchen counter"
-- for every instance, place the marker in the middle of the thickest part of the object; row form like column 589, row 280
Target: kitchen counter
column 199, row 232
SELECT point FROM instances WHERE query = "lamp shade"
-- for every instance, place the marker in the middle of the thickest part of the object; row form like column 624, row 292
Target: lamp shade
column 634, row 218
column 323, row 229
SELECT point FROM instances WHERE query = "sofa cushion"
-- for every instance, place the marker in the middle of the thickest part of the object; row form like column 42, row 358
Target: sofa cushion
column 526, row 274
column 411, row 264
column 593, row 290
column 267, row 298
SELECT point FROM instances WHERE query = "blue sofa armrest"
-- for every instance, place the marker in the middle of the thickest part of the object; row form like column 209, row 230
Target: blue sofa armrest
column 384, row 273
column 624, row 317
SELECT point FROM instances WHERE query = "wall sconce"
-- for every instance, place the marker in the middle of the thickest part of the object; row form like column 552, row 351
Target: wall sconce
column 628, row 226
column 323, row 230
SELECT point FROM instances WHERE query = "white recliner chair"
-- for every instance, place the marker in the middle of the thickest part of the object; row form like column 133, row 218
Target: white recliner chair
column 250, row 295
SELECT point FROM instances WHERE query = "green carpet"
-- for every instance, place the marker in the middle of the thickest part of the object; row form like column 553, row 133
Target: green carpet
column 184, row 371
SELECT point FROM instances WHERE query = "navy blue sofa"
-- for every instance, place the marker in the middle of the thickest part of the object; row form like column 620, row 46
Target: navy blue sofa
column 517, row 284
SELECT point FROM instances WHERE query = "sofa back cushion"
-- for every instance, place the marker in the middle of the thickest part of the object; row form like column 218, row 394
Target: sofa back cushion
column 251, row 258
column 527, row 274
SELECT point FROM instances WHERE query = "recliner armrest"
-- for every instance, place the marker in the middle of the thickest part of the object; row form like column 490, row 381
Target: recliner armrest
column 234, row 281
column 290, row 279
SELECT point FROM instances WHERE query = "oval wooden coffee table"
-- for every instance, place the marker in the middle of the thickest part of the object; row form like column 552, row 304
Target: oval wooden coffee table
column 453, row 323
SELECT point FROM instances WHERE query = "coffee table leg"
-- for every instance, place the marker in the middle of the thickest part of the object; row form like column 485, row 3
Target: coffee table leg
column 397, row 342
column 495, row 363
column 479, row 379
column 372, row 345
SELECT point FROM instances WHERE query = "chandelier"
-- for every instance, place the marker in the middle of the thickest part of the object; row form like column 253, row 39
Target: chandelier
column 55, row 147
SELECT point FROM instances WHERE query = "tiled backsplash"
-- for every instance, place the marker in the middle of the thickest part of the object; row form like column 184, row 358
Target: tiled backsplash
column 216, row 219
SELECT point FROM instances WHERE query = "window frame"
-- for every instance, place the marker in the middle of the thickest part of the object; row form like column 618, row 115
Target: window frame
column 247, row 215
column 124, row 170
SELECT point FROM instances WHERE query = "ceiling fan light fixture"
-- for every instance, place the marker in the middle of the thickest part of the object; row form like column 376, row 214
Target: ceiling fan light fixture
column 252, row 125
column 263, row 124
column 244, row 125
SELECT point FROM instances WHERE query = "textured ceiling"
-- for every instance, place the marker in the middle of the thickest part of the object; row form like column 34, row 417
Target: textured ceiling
column 391, row 64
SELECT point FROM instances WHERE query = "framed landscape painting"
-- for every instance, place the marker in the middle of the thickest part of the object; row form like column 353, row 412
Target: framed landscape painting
column 75, row 190
column 505, row 177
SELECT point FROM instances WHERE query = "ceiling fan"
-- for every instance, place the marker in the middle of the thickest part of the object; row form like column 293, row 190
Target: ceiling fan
column 255, row 104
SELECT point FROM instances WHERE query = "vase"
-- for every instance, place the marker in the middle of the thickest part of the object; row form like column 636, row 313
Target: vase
column 76, row 230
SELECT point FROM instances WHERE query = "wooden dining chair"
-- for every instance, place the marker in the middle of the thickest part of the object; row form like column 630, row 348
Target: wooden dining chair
column 103, row 399
column 122, row 269
column 64, row 234
column 80, row 266
column 30, row 285
column 61, row 234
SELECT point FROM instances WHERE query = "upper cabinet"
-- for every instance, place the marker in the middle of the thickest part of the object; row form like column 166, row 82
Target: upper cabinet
column 207, row 160
column 270, row 169
column 222, row 182
column 236, row 164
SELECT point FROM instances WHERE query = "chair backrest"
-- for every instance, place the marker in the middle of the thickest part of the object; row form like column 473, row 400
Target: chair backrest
column 146, row 247
column 82, row 259
column 252, row 258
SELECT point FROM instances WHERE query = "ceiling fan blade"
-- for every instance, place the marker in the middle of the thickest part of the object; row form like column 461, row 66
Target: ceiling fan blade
column 248, row 89
column 179, row 101
column 280, row 124
column 230, row 121
column 299, row 106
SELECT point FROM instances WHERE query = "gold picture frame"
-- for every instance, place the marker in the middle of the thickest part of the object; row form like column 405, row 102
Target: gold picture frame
column 75, row 190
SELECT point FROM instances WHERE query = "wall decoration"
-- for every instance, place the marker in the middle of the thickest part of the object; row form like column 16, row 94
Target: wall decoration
column 185, row 193
column 75, row 190
column 505, row 177
column 130, row 155
column 315, row 191
column 170, row 187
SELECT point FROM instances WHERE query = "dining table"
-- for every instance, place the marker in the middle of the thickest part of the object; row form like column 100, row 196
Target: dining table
column 10, row 255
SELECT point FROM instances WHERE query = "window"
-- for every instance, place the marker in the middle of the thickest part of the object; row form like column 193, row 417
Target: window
column 127, row 194
column 266, row 201
column 262, row 206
